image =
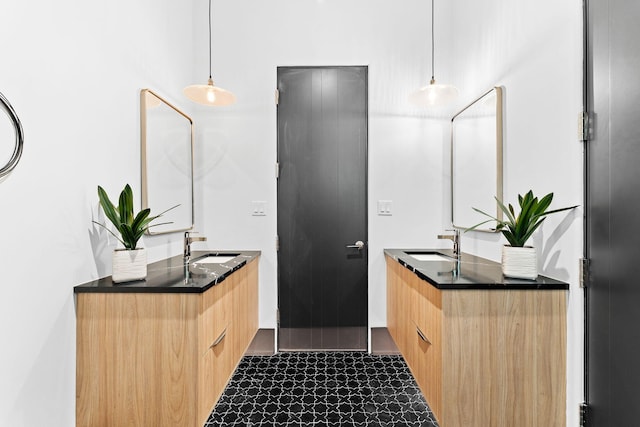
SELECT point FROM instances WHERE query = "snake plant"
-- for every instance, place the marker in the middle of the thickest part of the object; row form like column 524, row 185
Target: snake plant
column 131, row 227
column 518, row 228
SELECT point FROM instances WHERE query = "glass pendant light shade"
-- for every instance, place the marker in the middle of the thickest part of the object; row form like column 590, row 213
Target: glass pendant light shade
column 433, row 95
column 209, row 94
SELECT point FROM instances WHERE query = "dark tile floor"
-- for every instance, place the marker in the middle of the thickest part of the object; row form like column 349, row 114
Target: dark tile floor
column 322, row 389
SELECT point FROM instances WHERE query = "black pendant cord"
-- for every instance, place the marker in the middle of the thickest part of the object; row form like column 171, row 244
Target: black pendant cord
column 432, row 45
column 209, row 38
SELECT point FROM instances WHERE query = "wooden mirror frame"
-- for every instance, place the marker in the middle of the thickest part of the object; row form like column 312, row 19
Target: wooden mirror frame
column 176, row 157
column 481, row 141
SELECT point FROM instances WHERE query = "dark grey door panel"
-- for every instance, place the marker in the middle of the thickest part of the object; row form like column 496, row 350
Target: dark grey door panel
column 322, row 207
column 613, row 195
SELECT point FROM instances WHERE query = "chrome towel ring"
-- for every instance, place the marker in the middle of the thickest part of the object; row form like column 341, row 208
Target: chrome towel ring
column 17, row 126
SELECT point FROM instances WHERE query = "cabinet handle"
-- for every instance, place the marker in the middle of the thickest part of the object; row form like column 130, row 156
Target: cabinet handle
column 220, row 338
column 422, row 336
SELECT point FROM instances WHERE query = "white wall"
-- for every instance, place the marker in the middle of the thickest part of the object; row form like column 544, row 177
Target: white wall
column 534, row 50
column 72, row 70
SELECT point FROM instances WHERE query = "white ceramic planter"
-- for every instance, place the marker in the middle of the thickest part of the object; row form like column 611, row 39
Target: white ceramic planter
column 129, row 265
column 519, row 262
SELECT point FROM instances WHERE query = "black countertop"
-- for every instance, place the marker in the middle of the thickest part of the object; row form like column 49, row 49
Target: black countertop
column 172, row 276
column 471, row 272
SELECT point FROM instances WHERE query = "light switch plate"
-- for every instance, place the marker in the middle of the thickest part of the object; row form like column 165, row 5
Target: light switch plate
column 258, row 208
column 384, row 207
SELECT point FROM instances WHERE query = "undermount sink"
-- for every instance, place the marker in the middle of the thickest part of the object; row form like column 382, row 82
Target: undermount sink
column 215, row 259
column 429, row 256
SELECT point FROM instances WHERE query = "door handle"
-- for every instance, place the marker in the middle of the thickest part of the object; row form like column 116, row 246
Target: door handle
column 358, row 245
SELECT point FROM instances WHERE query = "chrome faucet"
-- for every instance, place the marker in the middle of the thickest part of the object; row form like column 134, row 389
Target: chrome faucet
column 455, row 238
column 188, row 240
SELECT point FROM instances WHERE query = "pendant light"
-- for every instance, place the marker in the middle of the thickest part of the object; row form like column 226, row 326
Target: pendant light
column 433, row 94
column 209, row 94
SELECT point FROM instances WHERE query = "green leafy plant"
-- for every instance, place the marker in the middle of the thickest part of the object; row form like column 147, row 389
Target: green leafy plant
column 130, row 226
column 518, row 228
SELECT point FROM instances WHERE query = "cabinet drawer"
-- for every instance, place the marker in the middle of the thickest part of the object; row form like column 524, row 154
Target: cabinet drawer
column 426, row 311
column 217, row 367
column 215, row 314
column 427, row 330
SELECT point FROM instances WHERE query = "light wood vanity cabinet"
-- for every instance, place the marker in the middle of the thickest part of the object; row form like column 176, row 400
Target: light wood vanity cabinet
column 490, row 358
column 161, row 359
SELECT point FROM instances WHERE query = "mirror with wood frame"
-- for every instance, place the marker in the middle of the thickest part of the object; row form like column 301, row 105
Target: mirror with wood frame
column 167, row 163
column 476, row 161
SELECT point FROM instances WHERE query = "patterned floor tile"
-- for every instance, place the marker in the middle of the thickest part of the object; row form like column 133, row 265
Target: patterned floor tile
column 322, row 389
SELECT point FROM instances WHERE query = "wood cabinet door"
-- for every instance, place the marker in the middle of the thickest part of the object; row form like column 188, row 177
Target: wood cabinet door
column 136, row 364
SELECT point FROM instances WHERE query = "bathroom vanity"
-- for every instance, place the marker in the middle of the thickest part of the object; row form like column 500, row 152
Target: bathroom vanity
column 159, row 352
column 484, row 350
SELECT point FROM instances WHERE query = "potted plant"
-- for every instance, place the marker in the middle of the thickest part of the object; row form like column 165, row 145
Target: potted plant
column 518, row 260
column 130, row 262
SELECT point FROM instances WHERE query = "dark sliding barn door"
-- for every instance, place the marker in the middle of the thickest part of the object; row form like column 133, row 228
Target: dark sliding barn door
column 322, row 208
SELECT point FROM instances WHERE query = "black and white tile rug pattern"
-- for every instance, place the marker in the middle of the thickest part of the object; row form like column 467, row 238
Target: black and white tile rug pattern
column 322, row 389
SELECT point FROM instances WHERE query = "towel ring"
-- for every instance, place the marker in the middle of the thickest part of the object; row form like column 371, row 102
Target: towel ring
column 17, row 126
